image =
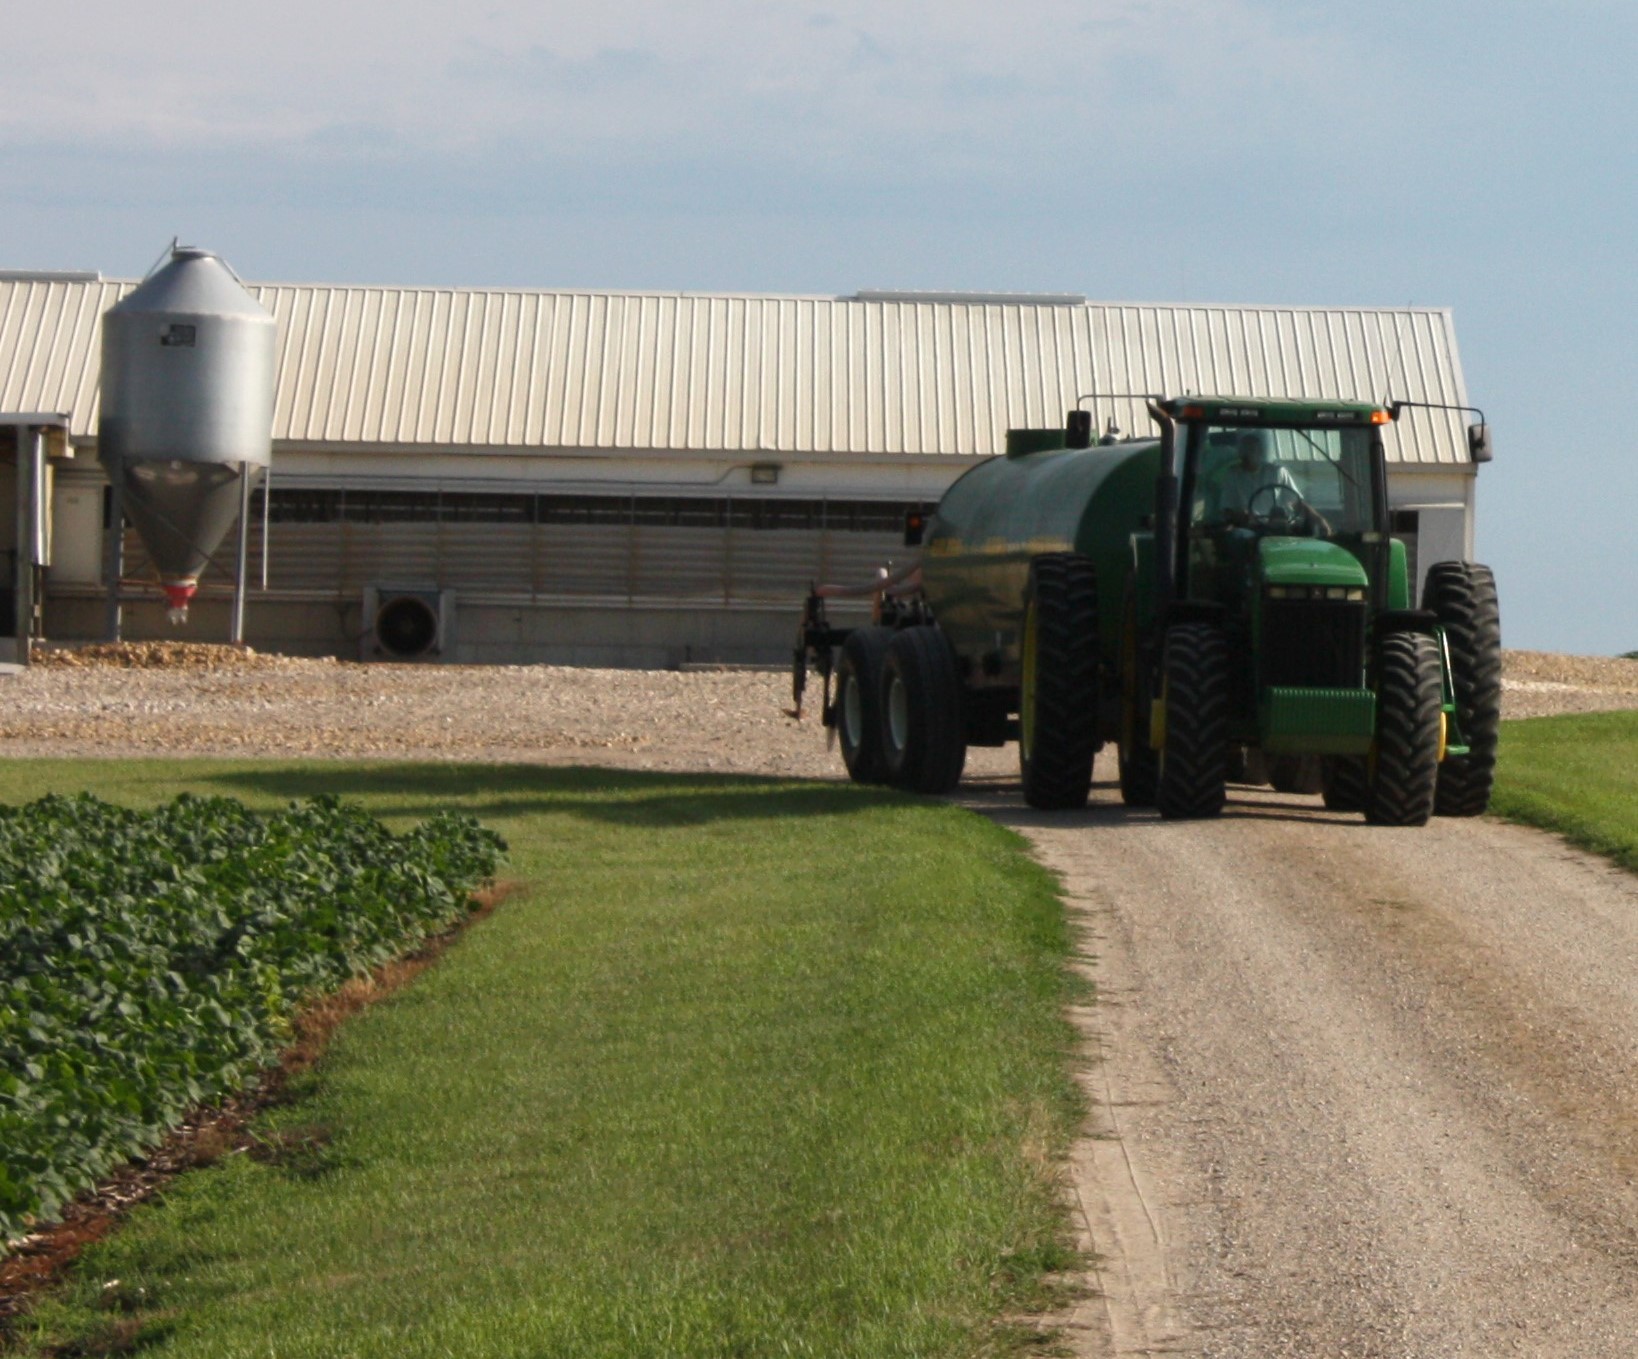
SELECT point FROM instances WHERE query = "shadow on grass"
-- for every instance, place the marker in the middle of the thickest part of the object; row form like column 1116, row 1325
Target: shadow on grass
column 614, row 796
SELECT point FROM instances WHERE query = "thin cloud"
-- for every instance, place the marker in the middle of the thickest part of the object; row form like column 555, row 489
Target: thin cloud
column 440, row 75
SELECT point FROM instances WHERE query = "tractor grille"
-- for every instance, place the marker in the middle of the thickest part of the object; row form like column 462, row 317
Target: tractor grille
column 1313, row 643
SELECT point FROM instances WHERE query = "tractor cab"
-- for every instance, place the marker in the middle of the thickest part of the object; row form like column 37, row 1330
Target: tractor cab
column 1282, row 500
column 1281, row 537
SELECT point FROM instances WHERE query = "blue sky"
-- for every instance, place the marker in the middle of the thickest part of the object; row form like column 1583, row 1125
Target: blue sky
column 1475, row 156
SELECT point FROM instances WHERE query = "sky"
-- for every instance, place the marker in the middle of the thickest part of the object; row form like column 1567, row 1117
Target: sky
column 1477, row 156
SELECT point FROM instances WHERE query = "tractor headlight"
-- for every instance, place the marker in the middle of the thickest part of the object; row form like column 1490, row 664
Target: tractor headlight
column 1353, row 594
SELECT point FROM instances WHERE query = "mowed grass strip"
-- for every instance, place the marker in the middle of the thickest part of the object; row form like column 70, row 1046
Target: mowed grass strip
column 745, row 1068
column 1577, row 775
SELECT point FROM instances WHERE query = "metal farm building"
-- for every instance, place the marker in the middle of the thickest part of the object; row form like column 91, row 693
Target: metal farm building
column 642, row 478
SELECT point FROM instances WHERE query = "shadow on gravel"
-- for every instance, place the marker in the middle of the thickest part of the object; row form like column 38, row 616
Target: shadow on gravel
column 1002, row 801
column 620, row 797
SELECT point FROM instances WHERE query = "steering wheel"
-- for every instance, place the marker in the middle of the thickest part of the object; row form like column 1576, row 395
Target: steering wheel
column 1273, row 490
column 1300, row 516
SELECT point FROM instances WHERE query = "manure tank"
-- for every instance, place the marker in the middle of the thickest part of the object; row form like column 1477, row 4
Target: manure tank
column 1041, row 497
column 187, row 410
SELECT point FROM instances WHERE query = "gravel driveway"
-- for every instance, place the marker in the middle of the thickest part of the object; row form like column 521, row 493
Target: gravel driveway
column 1357, row 1091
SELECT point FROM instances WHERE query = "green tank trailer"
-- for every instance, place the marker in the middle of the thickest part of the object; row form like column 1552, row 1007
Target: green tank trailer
column 1218, row 601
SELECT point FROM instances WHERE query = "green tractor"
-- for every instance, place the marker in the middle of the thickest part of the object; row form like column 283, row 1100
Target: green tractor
column 1222, row 598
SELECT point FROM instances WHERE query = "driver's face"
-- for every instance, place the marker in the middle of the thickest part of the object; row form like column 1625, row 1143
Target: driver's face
column 1251, row 455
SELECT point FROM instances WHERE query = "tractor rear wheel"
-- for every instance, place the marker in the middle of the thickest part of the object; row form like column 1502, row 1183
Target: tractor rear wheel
column 923, row 729
column 1408, row 721
column 1463, row 595
column 1058, row 696
column 1139, row 762
column 858, row 703
column 1343, row 783
column 1194, row 755
column 1296, row 774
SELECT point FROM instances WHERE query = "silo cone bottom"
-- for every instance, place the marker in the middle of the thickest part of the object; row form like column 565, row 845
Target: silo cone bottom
column 180, row 594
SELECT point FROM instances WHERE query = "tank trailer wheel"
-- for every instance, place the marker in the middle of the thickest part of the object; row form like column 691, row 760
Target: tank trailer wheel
column 1343, row 783
column 1463, row 595
column 1194, row 759
column 923, row 728
column 1296, row 774
column 1058, row 696
column 858, row 703
column 1407, row 732
column 1139, row 762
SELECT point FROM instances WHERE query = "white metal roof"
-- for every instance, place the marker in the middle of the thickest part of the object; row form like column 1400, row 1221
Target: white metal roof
column 463, row 368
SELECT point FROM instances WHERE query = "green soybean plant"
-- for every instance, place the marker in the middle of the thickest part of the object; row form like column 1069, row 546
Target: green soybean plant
column 152, row 960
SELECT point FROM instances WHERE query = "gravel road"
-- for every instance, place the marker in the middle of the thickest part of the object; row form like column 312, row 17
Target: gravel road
column 1359, row 1091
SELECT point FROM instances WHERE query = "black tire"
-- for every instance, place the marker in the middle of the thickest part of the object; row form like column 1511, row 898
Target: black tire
column 923, row 729
column 1139, row 761
column 1343, row 783
column 1194, row 758
column 1058, row 697
column 858, row 703
column 1463, row 595
column 1406, row 768
column 1296, row 774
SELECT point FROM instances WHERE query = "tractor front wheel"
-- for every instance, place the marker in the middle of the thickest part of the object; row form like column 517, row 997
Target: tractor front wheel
column 1406, row 766
column 1194, row 755
column 1296, row 774
column 1343, row 783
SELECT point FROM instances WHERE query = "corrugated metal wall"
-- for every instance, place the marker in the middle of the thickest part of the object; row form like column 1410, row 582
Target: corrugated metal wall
column 791, row 375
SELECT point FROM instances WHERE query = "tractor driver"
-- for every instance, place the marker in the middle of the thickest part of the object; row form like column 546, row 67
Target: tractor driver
column 1250, row 488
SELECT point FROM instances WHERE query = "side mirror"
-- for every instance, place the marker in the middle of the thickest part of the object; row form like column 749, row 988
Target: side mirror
column 1478, row 443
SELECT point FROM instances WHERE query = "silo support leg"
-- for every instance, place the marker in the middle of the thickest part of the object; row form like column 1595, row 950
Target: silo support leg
column 242, row 557
column 113, row 556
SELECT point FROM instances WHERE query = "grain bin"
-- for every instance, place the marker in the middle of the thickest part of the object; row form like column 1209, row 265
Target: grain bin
column 187, row 410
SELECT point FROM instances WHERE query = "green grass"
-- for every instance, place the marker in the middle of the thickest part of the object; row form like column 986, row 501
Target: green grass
column 746, row 1068
column 1577, row 775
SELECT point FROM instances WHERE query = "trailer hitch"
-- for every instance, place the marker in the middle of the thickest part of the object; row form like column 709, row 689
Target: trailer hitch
column 816, row 643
